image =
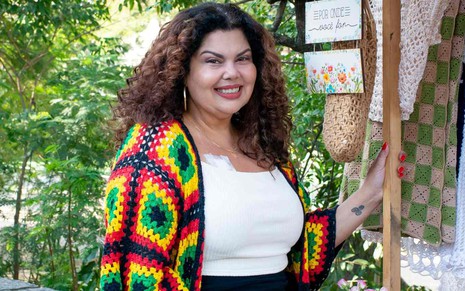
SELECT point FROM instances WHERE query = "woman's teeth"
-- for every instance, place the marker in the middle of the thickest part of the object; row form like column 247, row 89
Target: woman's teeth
column 228, row 91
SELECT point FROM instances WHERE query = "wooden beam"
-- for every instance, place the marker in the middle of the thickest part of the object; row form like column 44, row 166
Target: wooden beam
column 391, row 134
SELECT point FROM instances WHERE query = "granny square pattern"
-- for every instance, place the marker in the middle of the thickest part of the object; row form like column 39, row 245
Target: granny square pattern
column 154, row 217
column 429, row 139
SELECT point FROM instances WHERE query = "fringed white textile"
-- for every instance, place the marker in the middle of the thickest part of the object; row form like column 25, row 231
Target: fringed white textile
column 450, row 282
column 420, row 21
column 376, row 106
column 419, row 256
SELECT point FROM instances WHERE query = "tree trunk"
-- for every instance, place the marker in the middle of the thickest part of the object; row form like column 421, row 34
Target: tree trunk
column 50, row 251
column 19, row 193
column 296, row 44
column 70, row 245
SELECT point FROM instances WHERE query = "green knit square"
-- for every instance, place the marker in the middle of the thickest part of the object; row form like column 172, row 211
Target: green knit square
column 368, row 129
column 372, row 220
column 410, row 150
column 438, row 158
column 416, row 112
column 453, row 135
column 375, row 147
column 442, row 72
column 456, row 95
column 447, row 27
column 449, row 177
column 433, row 53
column 407, row 190
column 434, row 197
column 353, row 186
column 439, row 116
column 427, row 93
column 344, row 182
column 431, row 234
column 455, row 65
column 460, row 25
column 448, row 215
column 425, row 134
column 359, row 158
column 364, row 169
column 418, row 212
column 423, row 174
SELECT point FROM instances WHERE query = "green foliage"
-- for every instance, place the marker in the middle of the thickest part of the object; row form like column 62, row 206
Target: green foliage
column 57, row 82
column 357, row 260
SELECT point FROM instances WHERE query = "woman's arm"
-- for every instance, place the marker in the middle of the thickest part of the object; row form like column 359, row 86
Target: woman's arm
column 353, row 211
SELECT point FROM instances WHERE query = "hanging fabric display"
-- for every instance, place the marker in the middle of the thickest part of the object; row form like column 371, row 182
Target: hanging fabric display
column 429, row 139
column 346, row 114
column 453, row 278
column 419, row 30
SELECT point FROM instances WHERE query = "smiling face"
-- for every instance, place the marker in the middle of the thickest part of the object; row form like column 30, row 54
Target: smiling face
column 222, row 75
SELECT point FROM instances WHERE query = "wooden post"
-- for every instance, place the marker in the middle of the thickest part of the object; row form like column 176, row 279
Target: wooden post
column 391, row 134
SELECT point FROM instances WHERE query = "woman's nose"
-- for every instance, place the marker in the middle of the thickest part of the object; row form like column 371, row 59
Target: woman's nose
column 230, row 71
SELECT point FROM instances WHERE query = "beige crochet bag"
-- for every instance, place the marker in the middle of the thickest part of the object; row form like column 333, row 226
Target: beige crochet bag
column 346, row 115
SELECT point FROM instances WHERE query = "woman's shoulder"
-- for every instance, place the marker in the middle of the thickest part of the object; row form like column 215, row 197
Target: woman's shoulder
column 287, row 168
column 170, row 124
column 143, row 138
column 147, row 132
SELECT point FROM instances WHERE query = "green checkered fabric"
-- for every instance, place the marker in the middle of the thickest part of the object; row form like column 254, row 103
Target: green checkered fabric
column 429, row 139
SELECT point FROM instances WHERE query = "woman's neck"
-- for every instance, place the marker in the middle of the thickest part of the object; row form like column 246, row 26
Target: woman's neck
column 210, row 126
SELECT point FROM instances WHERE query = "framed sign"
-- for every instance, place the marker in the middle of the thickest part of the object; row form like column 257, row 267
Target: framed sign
column 331, row 72
column 333, row 20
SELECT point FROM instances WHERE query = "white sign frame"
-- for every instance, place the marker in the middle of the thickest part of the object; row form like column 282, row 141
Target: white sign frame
column 333, row 20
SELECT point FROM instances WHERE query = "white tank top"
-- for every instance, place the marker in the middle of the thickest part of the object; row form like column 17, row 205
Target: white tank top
column 252, row 219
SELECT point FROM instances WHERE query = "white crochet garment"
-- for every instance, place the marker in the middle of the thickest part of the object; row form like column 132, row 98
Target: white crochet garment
column 420, row 24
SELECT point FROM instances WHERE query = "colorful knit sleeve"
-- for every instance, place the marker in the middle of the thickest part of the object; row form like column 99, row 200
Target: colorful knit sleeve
column 320, row 249
column 142, row 215
column 312, row 256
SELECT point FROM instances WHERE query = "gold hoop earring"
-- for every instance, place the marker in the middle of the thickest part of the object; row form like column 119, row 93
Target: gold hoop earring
column 185, row 99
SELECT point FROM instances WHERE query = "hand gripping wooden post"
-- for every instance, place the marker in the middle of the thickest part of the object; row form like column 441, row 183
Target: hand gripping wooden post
column 391, row 134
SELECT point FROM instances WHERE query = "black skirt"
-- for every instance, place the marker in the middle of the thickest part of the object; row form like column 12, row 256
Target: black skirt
column 269, row 282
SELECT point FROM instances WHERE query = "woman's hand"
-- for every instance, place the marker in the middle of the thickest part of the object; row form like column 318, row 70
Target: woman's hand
column 375, row 177
column 353, row 211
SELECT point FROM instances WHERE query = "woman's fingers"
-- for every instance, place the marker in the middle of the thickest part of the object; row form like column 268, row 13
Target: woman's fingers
column 401, row 168
column 381, row 159
column 402, row 156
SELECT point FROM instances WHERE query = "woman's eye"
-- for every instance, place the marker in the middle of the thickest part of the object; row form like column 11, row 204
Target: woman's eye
column 213, row 61
column 244, row 59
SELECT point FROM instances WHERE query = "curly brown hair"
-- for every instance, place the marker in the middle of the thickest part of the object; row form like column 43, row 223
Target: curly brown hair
column 155, row 91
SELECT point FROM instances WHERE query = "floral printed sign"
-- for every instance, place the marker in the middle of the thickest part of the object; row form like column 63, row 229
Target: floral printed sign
column 338, row 71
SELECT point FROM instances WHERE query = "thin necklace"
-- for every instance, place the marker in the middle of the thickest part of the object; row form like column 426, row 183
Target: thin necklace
column 234, row 151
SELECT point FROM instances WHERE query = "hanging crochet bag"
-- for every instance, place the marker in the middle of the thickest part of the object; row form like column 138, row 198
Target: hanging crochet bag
column 346, row 115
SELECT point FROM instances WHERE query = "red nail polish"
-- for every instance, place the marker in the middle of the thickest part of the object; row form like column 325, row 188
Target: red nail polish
column 400, row 169
column 402, row 157
column 401, row 175
column 384, row 146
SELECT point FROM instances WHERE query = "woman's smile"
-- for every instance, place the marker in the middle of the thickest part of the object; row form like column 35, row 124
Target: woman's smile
column 229, row 92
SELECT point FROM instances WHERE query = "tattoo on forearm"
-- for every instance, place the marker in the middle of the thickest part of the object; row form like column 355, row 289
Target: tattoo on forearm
column 358, row 210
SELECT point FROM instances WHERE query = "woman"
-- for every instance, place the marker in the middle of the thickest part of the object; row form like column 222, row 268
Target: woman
column 202, row 193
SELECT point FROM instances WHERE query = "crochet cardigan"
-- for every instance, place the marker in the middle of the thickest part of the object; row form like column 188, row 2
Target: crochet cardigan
column 155, row 222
